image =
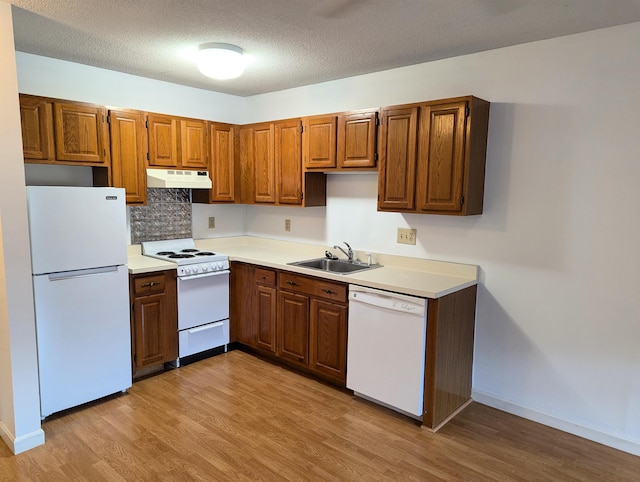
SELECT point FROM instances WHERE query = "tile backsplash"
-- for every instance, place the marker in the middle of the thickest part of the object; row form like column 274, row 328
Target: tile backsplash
column 167, row 215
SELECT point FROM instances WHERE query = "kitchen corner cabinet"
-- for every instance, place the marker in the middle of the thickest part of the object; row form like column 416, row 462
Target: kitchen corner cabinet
column 345, row 141
column 177, row 143
column 154, row 320
column 432, row 157
column 270, row 166
column 64, row 132
column 128, row 137
column 298, row 320
column 221, row 152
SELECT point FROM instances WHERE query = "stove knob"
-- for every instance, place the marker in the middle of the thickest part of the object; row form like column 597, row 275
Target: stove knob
column 219, row 265
column 205, row 267
column 196, row 269
column 212, row 266
column 187, row 270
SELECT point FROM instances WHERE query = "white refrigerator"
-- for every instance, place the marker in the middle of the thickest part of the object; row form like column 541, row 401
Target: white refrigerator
column 81, row 293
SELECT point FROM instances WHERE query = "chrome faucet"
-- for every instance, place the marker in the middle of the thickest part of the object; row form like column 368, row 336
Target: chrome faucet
column 348, row 254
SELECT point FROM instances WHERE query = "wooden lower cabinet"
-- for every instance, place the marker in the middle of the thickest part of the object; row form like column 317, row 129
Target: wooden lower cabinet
column 154, row 321
column 293, row 327
column 298, row 320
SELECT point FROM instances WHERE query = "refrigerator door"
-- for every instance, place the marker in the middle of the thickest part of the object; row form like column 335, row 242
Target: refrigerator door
column 84, row 340
column 76, row 227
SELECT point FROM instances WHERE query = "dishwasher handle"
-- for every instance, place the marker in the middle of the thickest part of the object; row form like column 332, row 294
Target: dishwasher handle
column 390, row 301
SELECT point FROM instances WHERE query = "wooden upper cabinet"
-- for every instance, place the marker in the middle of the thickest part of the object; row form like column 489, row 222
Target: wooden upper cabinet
column 446, row 173
column 441, row 157
column 264, row 168
column 36, row 118
column 221, row 146
column 398, row 148
column 319, row 141
column 193, row 143
column 128, row 153
column 81, row 133
column 163, row 141
column 288, row 161
column 357, row 139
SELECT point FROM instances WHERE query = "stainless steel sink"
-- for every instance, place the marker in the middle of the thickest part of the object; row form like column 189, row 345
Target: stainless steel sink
column 339, row 266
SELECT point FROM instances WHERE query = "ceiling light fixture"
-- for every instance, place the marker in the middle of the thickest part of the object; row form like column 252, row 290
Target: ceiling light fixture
column 220, row 61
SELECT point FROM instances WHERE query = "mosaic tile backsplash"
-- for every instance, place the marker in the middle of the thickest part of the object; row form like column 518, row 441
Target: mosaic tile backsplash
column 167, row 215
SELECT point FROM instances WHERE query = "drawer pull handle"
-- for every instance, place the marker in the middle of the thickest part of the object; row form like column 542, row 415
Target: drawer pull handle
column 329, row 291
column 292, row 283
column 150, row 284
column 264, row 277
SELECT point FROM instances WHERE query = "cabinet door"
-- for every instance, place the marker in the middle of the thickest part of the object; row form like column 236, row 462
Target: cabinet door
column 241, row 312
column 128, row 153
column 288, row 152
column 265, row 305
column 193, row 144
column 357, row 140
column 80, row 133
column 149, row 330
column 36, row 118
column 221, row 144
column 398, row 144
column 264, row 169
column 163, row 141
column 319, row 142
column 441, row 157
column 328, row 339
column 293, row 327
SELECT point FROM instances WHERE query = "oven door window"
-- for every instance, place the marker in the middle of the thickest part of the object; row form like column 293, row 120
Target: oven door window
column 203, row 299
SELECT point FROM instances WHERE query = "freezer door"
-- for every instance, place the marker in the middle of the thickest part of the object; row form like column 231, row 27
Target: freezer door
column 76, row 227
column 83, row 335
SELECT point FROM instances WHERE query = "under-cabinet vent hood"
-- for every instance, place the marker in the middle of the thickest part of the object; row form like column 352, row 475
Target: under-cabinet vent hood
column 175, row 178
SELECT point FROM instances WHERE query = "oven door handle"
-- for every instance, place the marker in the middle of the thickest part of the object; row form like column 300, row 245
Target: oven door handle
column 204, row 275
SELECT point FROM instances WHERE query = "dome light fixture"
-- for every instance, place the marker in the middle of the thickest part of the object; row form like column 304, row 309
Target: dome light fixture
column 220, row 61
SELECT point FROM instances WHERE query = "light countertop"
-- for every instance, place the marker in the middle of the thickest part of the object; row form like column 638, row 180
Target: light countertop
column 412, row 276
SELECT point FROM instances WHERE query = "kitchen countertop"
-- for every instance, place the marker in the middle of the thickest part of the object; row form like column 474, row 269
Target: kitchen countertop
column 414, row 276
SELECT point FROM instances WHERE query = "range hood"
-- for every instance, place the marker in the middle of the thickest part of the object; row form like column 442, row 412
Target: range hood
column 175, row 178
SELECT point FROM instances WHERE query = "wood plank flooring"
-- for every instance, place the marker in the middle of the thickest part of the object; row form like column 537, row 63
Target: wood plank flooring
column 236, row 417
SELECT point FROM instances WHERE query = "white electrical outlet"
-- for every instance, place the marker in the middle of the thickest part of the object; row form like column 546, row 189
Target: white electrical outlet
column 287, row 224
column 212, row 222
column 407, row 235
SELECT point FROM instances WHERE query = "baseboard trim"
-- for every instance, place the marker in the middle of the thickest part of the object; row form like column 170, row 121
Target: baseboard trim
column 23, row 443
column 588, row 433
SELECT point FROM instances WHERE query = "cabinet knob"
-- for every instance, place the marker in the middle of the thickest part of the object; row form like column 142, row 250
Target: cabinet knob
column 292, row 283
column 150, row 284
column 329, row 291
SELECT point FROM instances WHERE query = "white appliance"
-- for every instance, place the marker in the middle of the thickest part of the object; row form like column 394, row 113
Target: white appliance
column 386, row 349
column 174, row 178
column 81, row 293
column 203, row 294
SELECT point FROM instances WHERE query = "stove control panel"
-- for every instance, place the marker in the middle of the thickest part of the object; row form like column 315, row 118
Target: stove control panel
column 202, row 268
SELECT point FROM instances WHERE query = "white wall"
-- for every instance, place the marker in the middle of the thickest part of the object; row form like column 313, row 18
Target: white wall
column 19, row 393
column 558, row 312
column 558, row 317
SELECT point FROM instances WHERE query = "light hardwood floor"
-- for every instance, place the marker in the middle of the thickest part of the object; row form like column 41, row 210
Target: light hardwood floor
column 236, row 417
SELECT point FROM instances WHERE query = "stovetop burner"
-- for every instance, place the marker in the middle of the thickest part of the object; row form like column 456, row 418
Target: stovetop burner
column 184, row 252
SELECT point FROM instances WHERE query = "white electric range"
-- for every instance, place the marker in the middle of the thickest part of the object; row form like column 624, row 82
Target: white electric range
column 203, row 294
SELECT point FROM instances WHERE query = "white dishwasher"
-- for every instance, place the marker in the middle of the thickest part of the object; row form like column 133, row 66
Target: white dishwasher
column 386, row 348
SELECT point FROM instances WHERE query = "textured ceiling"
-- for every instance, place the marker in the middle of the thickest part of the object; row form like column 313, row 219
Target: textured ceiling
column 290, row 43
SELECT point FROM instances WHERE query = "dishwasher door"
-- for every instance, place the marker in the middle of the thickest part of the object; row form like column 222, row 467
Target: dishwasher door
column 386, row 348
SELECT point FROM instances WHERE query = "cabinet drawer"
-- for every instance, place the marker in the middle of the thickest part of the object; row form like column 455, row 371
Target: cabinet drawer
column 265, row 277
column 313, row 287
column 148, row 284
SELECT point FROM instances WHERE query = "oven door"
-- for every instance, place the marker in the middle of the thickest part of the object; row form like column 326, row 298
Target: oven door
column 202, row 299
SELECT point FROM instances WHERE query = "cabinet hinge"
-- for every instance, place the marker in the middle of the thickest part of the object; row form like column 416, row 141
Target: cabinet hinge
column 301, row 196
column 461, row 200
column 377, row 120
column 375, row 156
column 133, row 306
column 146, row 124
column 147, row 156
column 301, row 128
column 466, row 111
column 108, row 119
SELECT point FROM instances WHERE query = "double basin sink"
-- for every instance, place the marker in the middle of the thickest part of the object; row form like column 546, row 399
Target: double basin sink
column 339, row 266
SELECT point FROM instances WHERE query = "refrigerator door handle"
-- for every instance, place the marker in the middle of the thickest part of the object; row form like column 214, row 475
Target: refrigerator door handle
column 65, row 275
